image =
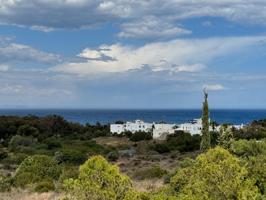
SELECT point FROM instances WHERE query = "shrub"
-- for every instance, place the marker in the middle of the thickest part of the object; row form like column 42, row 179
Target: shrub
column 53, row 143
column 5, row 183
column 45, row 186
column 35, row 169
column 70, row 156
column 183, row 142
column 139, row 136
column 161, row 148
column 3, row 153
column 98, row 180
column 150, row 173
column 256, row 171
column 215, row 175
column 112, row 156
column 68, row 172
column 248, row 147
column 20, row 141
column 15, row 158
column 27, row 130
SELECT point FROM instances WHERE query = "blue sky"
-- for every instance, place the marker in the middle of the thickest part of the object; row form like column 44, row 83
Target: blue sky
column 132, row 54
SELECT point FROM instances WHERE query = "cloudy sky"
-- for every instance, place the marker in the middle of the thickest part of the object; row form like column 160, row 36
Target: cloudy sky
column 132, row 53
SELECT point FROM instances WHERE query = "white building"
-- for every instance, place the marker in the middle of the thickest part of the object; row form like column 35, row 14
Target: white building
column 193, row 127
column 133, row 127
column 160, row 131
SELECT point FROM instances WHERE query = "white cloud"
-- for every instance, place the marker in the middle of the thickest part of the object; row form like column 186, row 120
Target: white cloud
column 151, row 27
column 4, row 68
column 55, row 14
column 90, row 54
column 13, row 52
column 187, row 55
column 214, row 87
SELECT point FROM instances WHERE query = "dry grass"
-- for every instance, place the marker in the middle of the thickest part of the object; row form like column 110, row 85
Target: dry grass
column 26, row 195
column 113, row 141
column 147, row 185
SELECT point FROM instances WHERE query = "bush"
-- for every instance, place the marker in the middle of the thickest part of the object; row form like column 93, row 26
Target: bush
column 69, row 172
column 18, row 141
column 256, row 171
column 150, row 173
column 5, row 183
column 45, row 186
column 53, row 143
column 112, row 156
column 248, row 147
column 98, row 180
column 15, row 158
column 139, row 136
column 70, row 156
column 161, row 148
column 3, row 153
column 183, row 142
column 27, row 130
column 215, row 175
column 35, row 169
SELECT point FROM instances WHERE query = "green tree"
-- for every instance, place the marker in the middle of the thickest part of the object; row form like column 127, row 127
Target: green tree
column 206, row 138
column 98, row 180
column 215, row 175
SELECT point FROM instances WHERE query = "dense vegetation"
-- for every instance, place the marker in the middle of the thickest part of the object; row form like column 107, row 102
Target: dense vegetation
column 44, row 153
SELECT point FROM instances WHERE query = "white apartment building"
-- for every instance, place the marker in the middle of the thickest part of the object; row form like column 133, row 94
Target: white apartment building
column 160, row 131
column 133, row 127
column 193, row 127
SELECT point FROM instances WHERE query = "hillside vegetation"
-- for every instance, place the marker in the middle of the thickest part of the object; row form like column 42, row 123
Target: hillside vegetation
column 51, row 156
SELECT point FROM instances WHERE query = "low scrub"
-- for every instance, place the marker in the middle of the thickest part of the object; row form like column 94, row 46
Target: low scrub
column 35, row 169
column 248, row 147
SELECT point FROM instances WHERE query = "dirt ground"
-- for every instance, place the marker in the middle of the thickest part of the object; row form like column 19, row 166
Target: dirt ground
column 25, row 195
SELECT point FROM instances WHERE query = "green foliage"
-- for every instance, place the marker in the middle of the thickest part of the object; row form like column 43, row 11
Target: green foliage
column 215, row 175
column 70, row 156
column 68, row 172
column 112, row 156
column 53, row 143
column 3, row 153
column 35, row 169
column 248, row 147
column 161, row 147
column 98, row 180
column 226, row 137
column 19, row 141
column 256, row 170
column 44, row 186
column 152, row 172
column 181, row 141
column 5, row 183
column 14, row 158
column 206, row 138
column 256, row 130
column 140, row 135
column 27, row 130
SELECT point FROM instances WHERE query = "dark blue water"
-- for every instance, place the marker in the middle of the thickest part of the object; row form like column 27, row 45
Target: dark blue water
column 169, row 116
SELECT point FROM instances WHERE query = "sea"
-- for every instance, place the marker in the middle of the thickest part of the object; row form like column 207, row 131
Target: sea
column 177, row 116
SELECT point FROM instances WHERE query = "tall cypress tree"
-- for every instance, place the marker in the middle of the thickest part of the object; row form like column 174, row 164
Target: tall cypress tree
column 206, row 138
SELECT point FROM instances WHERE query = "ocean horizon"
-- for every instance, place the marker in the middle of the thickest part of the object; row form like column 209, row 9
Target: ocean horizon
column 105, row 116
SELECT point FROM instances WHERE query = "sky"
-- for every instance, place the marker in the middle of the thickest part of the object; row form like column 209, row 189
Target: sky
column 132, row 53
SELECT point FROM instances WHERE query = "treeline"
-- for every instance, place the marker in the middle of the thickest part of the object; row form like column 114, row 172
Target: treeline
column 48, row 126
